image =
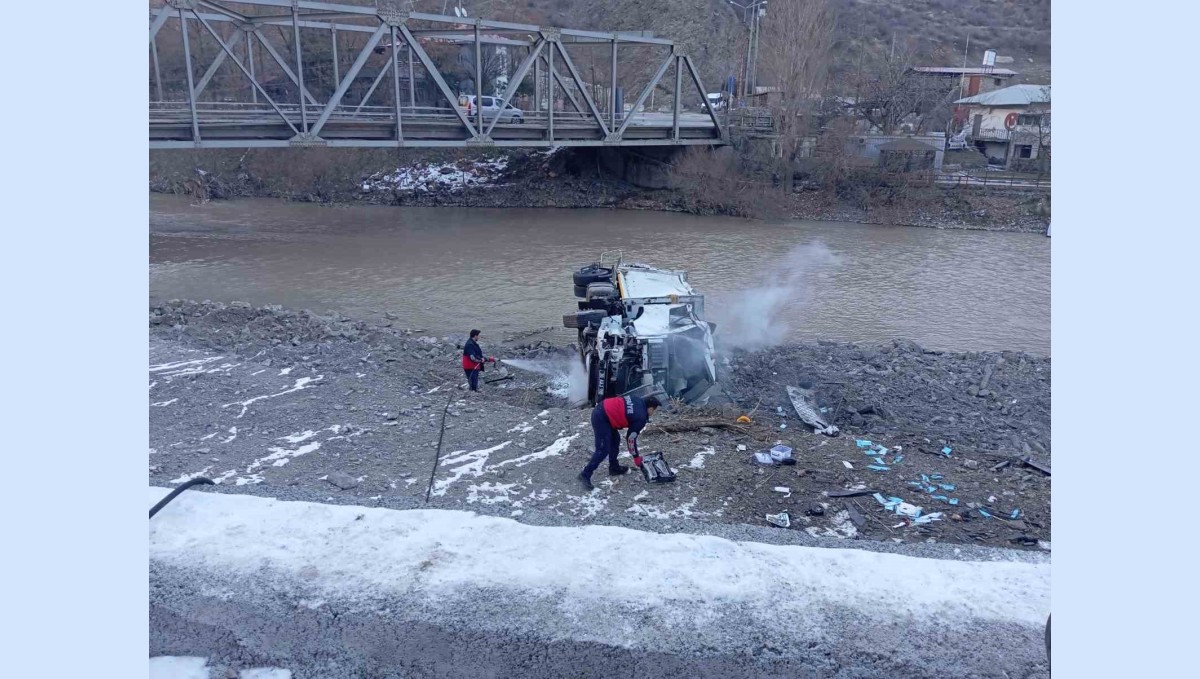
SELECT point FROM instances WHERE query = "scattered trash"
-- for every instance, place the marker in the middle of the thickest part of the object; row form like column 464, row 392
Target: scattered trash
column 781, row 453
column 946, row 451
column 851, row 493
column 1028, row 461
column 1002, row 465
column 816, row 510
column 905, row 509
column 928, row 518
column 1015, row 513
column 953, row 501
column 991, row 499
column 787, row 492
column 896, row 459
column 741, row 447
column 862, row 443
column 781, row 519
column 856, row 516
column 899, row 525
column 763, row 458
column 802, row 402
column 879, row 460
column 984, row 512
column 743, row 420
column 936, row 477
column 847, row 465
column 783, row 426
column 1024, row 540
column 878, row 467
column 946, row 486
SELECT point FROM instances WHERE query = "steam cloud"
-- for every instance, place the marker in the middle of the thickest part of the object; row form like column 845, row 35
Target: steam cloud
column 568, row 379
column 754, row 318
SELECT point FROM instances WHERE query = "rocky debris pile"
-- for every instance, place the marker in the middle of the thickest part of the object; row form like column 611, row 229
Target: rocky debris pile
column 990, row 401
column 435, row 177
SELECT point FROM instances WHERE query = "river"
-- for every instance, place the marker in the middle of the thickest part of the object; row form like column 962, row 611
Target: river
column 509, row 270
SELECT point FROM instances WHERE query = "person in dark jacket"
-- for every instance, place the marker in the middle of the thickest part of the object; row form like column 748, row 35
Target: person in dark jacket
column 473, row 360
column 609, row 417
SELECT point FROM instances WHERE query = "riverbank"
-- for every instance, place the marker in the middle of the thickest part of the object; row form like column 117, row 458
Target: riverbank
column 299, row 406
column 563, row 178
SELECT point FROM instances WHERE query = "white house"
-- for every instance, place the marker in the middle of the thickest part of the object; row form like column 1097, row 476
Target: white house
column 1008, row 124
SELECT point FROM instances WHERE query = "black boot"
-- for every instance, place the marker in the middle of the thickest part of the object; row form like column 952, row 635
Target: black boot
column 617, row 470
column 587, row 483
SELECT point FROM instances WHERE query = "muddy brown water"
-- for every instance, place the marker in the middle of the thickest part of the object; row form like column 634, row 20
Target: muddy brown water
column 509, row 270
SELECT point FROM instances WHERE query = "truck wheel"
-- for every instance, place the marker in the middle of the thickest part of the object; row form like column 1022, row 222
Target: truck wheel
column 583, row 319
column 581, row 291
column 592, row 274
column 603, row 290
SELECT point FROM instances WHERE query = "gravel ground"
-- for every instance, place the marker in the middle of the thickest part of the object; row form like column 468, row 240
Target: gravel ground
column 329, row 409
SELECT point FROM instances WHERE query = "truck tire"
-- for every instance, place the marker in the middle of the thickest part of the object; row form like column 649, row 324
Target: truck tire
column 602, row 290
column 583, row 319
column 592, row 274
column 581, row 291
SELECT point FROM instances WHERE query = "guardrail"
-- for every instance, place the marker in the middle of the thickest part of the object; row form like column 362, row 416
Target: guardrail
column 997, row 180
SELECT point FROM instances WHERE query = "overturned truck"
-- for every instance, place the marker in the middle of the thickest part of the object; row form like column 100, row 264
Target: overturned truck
column 642, row 331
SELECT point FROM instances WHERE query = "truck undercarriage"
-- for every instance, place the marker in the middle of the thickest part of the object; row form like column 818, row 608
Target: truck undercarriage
column 642, row 331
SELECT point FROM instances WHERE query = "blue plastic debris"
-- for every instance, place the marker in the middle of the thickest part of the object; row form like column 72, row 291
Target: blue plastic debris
column 984, row 512
column 946, row 486
column 916, row 484
column 1016, row 513
column 946, row 451
column 881, row 450
column 930, row 489
column 943, row 498
column 878, row 460
column 862, row 443
column 954, row 501
column 878, row 468
column 897, row 459
column 937, row 477
column 936, row 516
column 925, row 479
column 879, row 499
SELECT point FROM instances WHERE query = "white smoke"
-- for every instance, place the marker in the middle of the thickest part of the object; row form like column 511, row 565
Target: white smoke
column 755, row 318
column 568, row 378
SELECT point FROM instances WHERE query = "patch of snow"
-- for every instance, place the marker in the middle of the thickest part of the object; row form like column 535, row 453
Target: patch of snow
column 265, row 673
column 495, row 493
column 178, row 667
column 840, row 526
column 424, row 177
column 698, row 461
column 468, row 463
column 301, row 383
column 522, row 428
column 232, row 435
column 281, row 456
column 161, row 404
column 286, row 371
column 453, row 554
column 556, row 448
column 208, row 436
column 188, row 477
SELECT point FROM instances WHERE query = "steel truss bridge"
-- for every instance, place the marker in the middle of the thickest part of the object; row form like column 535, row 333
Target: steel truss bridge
column 224, row 76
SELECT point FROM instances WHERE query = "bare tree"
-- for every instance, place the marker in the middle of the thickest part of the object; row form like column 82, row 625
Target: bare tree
column 797, row 42
column 888, row 94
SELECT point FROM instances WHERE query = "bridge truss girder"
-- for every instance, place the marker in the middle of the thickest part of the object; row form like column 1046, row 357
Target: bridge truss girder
column 312, row 120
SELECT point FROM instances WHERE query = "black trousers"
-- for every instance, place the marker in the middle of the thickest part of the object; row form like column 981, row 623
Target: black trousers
column 473, row 378
column 608, row 442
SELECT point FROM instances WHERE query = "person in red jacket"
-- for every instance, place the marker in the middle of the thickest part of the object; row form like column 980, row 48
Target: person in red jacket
column 609, row 417
column 473, row 360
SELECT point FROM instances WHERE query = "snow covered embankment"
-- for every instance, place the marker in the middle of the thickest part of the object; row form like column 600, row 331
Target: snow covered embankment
column 431, row 177
column 264, row 569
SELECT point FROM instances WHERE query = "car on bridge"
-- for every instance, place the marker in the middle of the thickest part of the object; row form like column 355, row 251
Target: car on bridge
column 491, row 109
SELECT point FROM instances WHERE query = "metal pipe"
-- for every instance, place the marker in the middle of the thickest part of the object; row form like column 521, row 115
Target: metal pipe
column 378, row 79
column 412, row 82
column 678, row 98
column 550, row 95
column 299, row 67
column 250, row 59
column 337, row 78
column 612, row 124
column 187, row 58
column 157, row 73
column 395, row 83
column 478, row 80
